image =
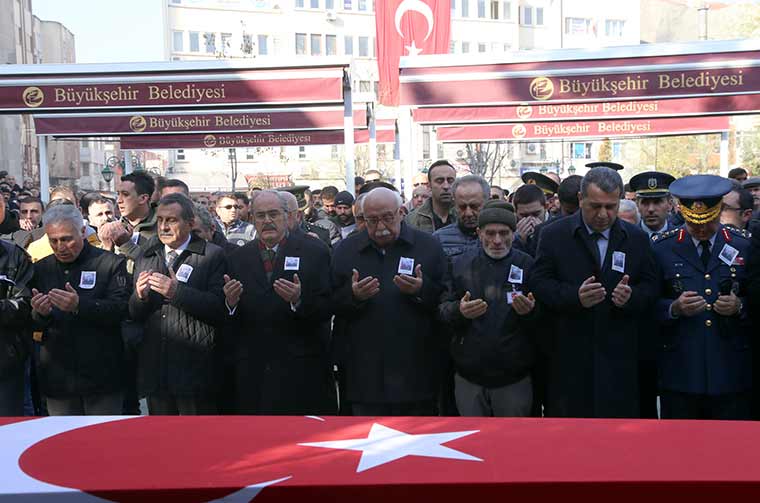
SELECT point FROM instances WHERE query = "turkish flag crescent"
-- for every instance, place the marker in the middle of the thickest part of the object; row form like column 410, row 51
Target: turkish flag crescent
column 408, row 28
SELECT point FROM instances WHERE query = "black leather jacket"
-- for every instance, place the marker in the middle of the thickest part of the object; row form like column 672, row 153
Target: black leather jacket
column 15, row 276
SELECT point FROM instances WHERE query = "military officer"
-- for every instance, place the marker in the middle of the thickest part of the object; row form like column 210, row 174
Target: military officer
column 653, row 200
column 705, row 359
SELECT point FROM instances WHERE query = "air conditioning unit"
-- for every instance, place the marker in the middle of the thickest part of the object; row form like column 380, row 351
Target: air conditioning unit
column 331, row 15
column 531, row 148
column 460, row 154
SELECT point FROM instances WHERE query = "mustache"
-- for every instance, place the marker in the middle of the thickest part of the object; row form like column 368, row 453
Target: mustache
column 269, row 227
column 383, row 233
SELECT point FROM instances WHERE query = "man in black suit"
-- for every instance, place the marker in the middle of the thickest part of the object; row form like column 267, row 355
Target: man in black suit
column 597, row 276
column 277, row 290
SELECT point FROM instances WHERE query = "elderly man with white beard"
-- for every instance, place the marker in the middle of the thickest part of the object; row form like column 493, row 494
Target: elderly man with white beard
column 492, row 313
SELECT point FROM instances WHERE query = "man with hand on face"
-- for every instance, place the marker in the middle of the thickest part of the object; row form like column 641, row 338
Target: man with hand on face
column 470, row 194
column 597, row 276
column 437, row 211
column 385, row 280
column 705, row 362
column 79, row 299
column 488, row 305
column 530, row 208
column 178, row 298
column 277, row 290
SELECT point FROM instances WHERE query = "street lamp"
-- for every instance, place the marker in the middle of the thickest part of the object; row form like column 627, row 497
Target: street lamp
column 107, row 174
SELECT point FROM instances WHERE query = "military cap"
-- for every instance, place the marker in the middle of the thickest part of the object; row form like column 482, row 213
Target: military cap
column 299, row 191
column 651, row 184
column 544, row 183
column 751, row 182
column 700, row 196
column 605, row 164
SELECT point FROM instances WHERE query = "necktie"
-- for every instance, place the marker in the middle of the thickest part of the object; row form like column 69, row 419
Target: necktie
column 170, row 258
column 705, row 255
column 595, row 237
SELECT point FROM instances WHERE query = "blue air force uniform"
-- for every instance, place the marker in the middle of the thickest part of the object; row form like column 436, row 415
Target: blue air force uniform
column 705, row 359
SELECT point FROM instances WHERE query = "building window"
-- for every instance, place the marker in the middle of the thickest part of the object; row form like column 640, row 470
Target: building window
column 452, row 47
column 334, row 152
column 180, row 155
column 506, row 10
column 465, row 8
column 329, row 4
column 481, row 9
column 195, row 45
column 453, row 8
column 177, row 41
column 577, row 26
column 539, row 16
column 331, row 45
column 347, row 5
column 314, row 4
column 348, row 45
column 494, row 11
column 465, row 47
column 527, row 15
column 316, row 45
column 210, row 42
column 299, row 4
column 506, row 47
column 226, row 43
column 617, row 150
column 363, row 5
column 581, row 150
column 375, row 86
column 363, row 47
column 263, row 46
column 300, row 44
column 364, row 86
column 614, row 27
column 302, row 152
column 481, row 47
column 249, row 154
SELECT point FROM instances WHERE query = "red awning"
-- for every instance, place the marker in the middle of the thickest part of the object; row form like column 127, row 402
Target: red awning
column 243, row 140
column 168, row 86
column 534, row 112
column 120, row 124
column 582, row 129
column 572, row 75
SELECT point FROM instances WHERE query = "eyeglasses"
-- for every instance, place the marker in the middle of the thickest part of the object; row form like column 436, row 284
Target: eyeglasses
column 387, row 219
column 271, row 214
column 231, row 206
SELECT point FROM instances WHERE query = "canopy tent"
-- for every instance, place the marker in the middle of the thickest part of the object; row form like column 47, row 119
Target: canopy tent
column 143, row 88
column 635, row 82
column 535, row 131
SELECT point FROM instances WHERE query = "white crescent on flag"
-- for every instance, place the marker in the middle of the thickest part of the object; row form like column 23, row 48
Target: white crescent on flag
column 415, row 6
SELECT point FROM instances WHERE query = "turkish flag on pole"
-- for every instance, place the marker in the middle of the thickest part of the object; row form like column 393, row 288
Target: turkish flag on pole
column 408, row 28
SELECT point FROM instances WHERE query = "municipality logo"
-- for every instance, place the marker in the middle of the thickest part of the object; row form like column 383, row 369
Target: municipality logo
column 209, row 140
column 33, row 97
column 541, row 88
column 137, row 123
column 519, row 131
column 524, row 111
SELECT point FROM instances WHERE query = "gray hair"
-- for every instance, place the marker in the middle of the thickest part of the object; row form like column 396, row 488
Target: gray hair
column 627, row 206
column 204, row 216
column 291, row 199
column 381, row 191
column 472, row 179
column 283, row 200
column 63, row 213
column 608, row 180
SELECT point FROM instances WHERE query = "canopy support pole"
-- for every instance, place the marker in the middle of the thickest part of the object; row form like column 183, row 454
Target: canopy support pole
column 372, row 137
column 348, row 134
column 724, row 153
column 44, row 171
column 127, row 162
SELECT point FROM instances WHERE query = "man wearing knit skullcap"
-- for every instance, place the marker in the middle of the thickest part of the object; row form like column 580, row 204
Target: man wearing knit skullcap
column 488, row 305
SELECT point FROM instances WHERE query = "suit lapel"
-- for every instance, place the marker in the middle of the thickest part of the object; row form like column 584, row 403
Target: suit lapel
column 686, row 250
column 259, row 275
column 715, row 261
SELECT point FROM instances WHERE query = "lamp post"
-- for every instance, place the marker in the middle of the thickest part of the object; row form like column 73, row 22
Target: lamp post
column 107, row 174
column 233, row 167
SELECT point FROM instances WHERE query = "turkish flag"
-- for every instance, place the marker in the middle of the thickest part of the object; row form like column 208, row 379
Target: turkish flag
column 408, row 28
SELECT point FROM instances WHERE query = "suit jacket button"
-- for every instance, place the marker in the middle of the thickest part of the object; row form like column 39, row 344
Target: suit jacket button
column 708, row 323
column 708, row 291
column 708, row 307
column 707, row 277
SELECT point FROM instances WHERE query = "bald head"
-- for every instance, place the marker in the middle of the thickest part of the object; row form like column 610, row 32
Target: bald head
column 382, row 215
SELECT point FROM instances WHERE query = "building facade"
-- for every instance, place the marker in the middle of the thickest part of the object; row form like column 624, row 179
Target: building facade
column 276, row 29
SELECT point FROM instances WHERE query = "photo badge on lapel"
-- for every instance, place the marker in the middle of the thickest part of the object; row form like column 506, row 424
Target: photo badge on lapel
column 292, row 263
column 87, row 280
column 184, row 272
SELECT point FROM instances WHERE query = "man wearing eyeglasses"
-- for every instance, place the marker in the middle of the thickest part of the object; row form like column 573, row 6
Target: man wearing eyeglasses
column 277, row 290
column 737, row 208
column 386, row 283
column 235, row 230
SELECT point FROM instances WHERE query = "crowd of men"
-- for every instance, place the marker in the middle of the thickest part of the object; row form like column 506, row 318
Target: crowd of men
column 575, row 297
